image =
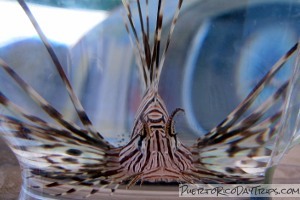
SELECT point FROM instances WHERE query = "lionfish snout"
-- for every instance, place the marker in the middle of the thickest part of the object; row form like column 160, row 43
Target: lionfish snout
column 162, row 174
column 155, row 158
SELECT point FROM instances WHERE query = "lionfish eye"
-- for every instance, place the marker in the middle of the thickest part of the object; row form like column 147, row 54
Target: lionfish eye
column 140, row 143
column 142, row 137
column 175, row 139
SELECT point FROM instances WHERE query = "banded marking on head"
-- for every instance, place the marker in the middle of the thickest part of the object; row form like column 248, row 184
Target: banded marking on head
column 77, row 105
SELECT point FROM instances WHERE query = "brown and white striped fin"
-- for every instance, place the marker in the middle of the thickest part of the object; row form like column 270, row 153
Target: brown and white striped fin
column 157, row 40
column 77, row 187
column 147, row 20
column 151, row 58
column 243, row 143
column 76, row 102
column 60, row 157
column 38, row 122
column 248, row 101
column 141, row 62
column 46, row 106
column 163, row 57
column 9, row 105
column 73, row 189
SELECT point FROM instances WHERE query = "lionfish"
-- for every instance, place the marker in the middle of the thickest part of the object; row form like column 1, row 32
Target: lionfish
column 234, row 151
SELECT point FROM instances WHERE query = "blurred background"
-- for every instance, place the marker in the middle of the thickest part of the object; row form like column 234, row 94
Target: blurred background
column 212, row 64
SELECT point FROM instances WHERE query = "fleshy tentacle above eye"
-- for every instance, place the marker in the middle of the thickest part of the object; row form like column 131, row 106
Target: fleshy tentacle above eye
column 241, row 144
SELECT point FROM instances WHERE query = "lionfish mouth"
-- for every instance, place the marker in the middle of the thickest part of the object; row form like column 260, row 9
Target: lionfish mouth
column 160, row 175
